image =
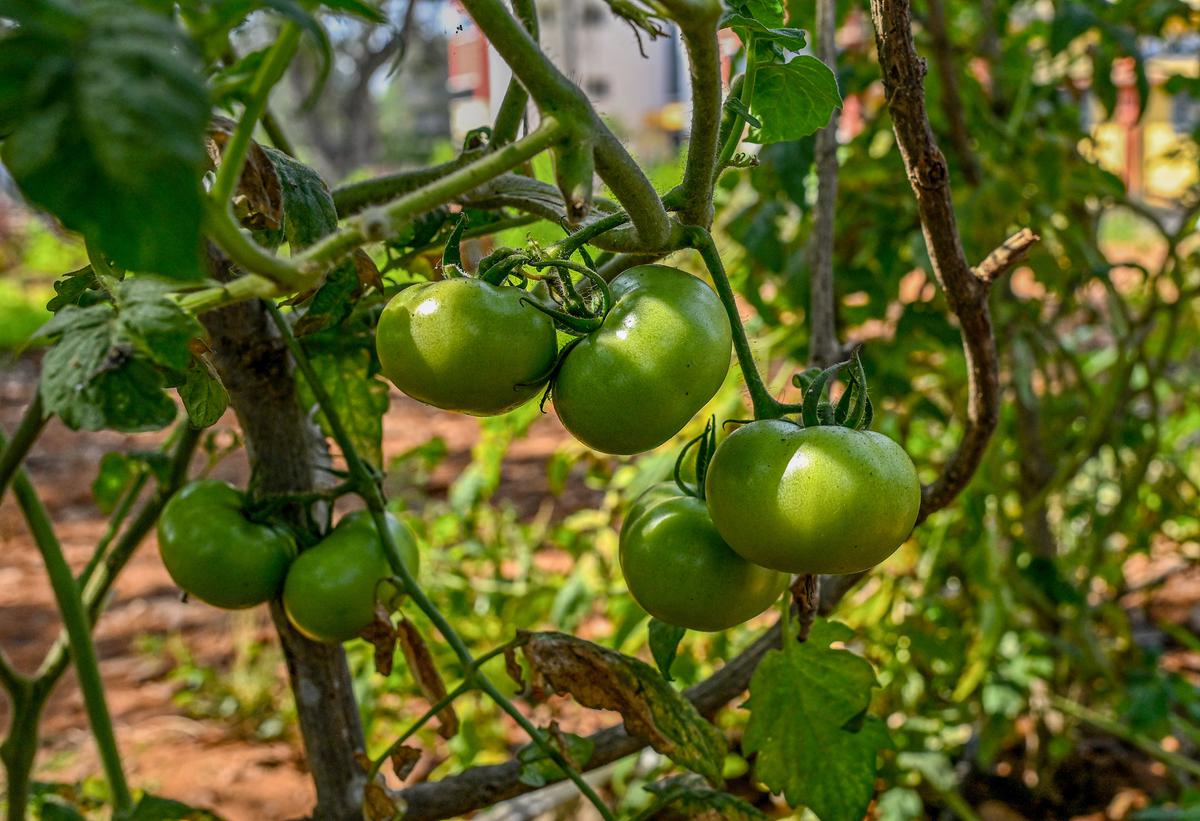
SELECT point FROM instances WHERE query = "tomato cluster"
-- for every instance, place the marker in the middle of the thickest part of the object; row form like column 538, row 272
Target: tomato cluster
column 215, row 553
column 777, row 497
column 661, row 344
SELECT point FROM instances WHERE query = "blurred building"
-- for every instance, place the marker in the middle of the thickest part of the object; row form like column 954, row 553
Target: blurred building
column 640, row 88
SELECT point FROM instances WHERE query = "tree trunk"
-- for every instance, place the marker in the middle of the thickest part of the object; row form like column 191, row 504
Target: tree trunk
column 286, row 454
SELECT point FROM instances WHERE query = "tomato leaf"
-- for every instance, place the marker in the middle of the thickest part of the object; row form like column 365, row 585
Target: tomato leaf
column 808, row 725
column 204, row 397
column 793, row 99
column 93, row 379
column 359, row 398
column 792, row 39
column 689, row 797
column 664, row 644
column 117, row 471
column 105, row 116
column 604, row 679
column 159, row 329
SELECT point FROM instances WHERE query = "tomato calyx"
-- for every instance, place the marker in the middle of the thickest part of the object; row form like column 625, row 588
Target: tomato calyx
column 706, row 446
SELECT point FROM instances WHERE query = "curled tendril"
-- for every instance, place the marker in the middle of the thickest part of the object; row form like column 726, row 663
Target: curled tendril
column 706, row 445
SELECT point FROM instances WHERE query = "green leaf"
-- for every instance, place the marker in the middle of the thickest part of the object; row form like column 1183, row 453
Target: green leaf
column 792, row 39
column 808, row 725
column 538, row 769
column 106, row 120
column 793, row 100
column 204, row 397
column 690, row 797
column 736, row 105
column 116, row 474
column 604, row 679
column 768, row 12
column 359, row 398
column 73, row 289
column 155, row 323
column 93, row 378
column 664, row 644
column 308, row 215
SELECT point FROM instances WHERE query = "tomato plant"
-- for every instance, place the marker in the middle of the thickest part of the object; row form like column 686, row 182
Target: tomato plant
column 227, row 299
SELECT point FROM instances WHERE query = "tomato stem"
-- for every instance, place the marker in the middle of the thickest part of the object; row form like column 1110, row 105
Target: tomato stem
column 369, row 489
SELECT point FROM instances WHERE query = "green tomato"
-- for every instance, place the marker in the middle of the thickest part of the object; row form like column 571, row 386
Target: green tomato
column 214, row 553
column 464, row 345
column 661, row 354
column 331, row 588
column 812, row 500
column 682, row 572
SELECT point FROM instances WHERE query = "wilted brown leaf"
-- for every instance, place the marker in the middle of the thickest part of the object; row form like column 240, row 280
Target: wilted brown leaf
column 378, row 805
column 604, row 679
column 381, row 634
column 420, row 662
column 258, row 200
column 403, row 759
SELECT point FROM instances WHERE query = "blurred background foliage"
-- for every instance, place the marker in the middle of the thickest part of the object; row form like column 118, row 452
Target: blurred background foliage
column 1036, row 642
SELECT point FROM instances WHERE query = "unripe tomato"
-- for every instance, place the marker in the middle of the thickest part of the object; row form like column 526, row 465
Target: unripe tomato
column 682, row 572
column 213, row 552
column 662, row 352
column 464, row 345
column 331, row 588
column 822, row 499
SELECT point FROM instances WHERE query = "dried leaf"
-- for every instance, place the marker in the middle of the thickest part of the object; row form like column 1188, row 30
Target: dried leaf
column 363, row 761
column 258, row 200
column 420, row 662
column 368, row 271
column 403, row 759
column 604, row 679
column 378, row 805
column 381, row 634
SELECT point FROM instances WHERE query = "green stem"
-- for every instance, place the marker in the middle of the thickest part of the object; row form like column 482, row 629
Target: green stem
column 747, row 94
column 566, row 247
column 247, row 254
column 1116, row 728
column 353, row 197
column 377, row 225
column 368, row 488
column 765, row 406
column 78, row 629
column 516, row 98
column 444, row 702
column 233, row 158
column 27, row 432
column 698, row 25
column 248, row 286
column 277, row 135
column 118, row 517
column 20, row 749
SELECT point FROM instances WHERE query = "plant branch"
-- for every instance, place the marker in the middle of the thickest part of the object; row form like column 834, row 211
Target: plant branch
column 764, row 405
column 369, row 489
column 1116, row 728
column 516, row 99
column 557, row 96
column 10, row 678
column 27, row 432
column 78, row 628
column 1006, row 257
column 268, row 74
column 698, row 23
column 903, row 76
column 351, row 198
column 745, row 93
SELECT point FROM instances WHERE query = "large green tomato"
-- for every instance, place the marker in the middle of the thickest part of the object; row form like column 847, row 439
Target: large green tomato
column 331, row 588
column 682, row 572
column 662, row 352
column 812, row 500
column 213, row 552
column 464, row 345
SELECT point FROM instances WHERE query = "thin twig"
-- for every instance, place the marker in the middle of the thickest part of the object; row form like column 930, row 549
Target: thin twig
column 1006, row 257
